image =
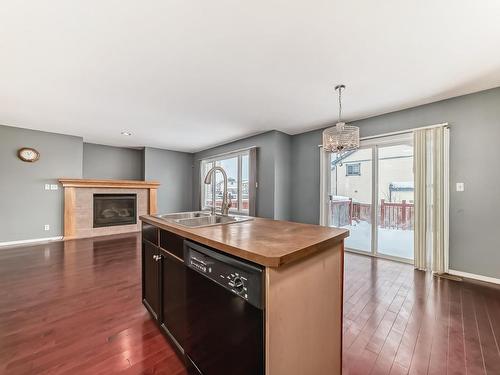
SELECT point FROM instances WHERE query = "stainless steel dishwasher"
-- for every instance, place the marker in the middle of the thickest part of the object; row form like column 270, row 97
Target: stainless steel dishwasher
column 224, row 313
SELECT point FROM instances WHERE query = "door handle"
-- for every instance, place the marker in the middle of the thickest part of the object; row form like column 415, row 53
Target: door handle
column 157, row 257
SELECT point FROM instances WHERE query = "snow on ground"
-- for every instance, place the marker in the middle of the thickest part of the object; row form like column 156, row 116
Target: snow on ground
column 395, row 242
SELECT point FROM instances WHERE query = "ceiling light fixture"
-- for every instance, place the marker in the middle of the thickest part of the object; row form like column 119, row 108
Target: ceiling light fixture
column 127, row 134
column 341, row 137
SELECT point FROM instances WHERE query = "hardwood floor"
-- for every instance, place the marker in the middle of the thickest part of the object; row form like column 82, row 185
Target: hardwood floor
column 74, row 308
column 401, row 321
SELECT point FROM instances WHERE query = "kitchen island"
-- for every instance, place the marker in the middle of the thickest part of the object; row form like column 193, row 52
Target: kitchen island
column 285, row 296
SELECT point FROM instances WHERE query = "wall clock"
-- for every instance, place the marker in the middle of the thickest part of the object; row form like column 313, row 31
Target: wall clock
column 28, row 154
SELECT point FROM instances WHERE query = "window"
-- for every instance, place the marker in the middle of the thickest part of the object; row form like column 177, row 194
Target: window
column 353, row 169
column 241, row 181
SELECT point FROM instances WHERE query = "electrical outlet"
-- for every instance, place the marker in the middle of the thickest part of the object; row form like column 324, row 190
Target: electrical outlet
column 53, row 187
column 47, row 186
column 460, row 186
column 46, row 227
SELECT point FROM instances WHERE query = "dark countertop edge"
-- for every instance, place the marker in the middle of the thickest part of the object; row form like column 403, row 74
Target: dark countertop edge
column 266, row 261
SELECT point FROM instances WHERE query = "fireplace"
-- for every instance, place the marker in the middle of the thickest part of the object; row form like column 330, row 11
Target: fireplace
column 114, row 209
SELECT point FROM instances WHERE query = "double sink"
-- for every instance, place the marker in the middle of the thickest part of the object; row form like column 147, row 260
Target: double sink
column 196, row 219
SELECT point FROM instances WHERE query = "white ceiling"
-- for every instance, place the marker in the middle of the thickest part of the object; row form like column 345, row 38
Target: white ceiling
column 189, row 74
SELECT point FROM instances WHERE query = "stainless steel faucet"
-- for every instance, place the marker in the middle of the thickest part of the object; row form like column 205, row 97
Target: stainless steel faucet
column 225, row 204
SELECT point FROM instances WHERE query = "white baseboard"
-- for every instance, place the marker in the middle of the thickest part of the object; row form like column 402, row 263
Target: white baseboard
column 474, row 276
column 34, row 240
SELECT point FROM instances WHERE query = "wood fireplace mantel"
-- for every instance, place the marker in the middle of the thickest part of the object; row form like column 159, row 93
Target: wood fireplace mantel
column 73, row 210
column 125, row 184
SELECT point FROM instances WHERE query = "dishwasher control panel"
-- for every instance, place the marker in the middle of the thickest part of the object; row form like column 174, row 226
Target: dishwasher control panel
column 241, row 278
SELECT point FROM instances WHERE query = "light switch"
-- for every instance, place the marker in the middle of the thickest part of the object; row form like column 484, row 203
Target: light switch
column 46, row 227
column 47, row 186
column 460, row 186
column 53, row 187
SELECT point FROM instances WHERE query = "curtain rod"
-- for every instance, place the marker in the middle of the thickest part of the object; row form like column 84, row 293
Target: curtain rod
column 444, row 124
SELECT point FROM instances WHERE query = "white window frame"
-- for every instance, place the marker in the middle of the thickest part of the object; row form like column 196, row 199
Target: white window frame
column 252, row 180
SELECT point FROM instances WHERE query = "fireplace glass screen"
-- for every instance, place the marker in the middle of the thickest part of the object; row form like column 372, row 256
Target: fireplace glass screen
column 114, row 209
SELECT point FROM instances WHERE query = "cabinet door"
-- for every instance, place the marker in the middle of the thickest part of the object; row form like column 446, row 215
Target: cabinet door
column 150, row 233
column 173, row 274
column 172, row 243
column 150, row 278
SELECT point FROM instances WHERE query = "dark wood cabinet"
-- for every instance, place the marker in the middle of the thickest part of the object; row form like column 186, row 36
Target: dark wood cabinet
column 172, row 281
column 150, row 233
column 173, row 321
column 172, row 243
column 163, row 283
column 151, row 278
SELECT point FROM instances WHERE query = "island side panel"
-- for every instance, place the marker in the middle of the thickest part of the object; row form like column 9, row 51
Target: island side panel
column 304, row 315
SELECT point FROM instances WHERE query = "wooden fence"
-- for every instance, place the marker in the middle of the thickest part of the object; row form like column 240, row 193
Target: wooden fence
column 397, row 215
column 391, row 215
column 218, row 203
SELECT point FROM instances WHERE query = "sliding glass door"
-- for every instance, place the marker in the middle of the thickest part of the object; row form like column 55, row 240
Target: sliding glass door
column 370, row 192
column 350, row 198
column 395, row 201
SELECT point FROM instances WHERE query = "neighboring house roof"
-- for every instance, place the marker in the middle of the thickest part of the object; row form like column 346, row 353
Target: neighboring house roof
column 401, row 186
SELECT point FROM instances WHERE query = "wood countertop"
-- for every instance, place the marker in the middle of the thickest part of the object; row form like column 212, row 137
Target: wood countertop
column 267, row 242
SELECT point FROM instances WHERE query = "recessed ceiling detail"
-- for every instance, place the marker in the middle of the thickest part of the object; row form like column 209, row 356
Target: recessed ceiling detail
column 185, row 75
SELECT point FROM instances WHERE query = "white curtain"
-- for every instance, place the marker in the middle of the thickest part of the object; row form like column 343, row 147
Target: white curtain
column 431, row 195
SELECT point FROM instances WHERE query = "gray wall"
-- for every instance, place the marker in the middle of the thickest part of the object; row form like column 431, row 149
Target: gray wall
column 174, row 170
column 474, row 158
column 22, row 190
column 305, row 171
column 269, row 145
column 282, row 176
column 109, row 162
column 24, row 204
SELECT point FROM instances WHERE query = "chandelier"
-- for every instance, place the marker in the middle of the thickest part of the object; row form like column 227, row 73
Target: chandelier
column 341, row 137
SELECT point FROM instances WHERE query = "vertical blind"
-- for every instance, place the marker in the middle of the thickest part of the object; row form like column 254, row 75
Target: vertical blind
column 431, row 195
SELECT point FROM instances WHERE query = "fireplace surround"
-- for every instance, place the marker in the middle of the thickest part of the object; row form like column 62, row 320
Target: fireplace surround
column 80, row 209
